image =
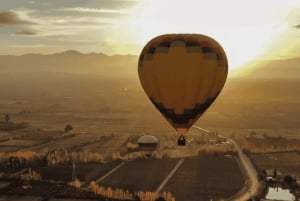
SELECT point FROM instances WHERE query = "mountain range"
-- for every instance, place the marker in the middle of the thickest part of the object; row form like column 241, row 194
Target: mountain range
column 72, row 61
column 68, row 62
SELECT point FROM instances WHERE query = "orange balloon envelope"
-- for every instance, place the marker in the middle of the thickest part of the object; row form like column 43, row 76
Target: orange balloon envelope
column 182, row 74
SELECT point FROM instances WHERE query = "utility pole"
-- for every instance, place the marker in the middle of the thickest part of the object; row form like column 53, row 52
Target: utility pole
column 73, row 172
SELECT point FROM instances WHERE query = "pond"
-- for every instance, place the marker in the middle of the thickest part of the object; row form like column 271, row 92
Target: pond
column 280, row 194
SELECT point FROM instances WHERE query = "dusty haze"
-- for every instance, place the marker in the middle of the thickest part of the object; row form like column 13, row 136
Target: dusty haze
column 102, row 94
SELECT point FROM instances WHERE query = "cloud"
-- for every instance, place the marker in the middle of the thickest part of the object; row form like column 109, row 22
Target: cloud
column 297, row 26
column 28, row 46
column 95, row 10
column 10, row 18
column 25, row 32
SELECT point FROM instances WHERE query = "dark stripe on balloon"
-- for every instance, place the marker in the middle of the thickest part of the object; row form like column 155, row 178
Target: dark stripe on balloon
column 165, row 44
column 191, row 46
column 188, row 113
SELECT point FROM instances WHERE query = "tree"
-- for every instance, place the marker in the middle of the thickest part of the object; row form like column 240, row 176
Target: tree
column 68, row 128
column 76, row 183
column 275, row 173
column 137, row 198
column 288, row 179
column 252, row 134
column 6, row 117
column 264, row 172
column 160, row 199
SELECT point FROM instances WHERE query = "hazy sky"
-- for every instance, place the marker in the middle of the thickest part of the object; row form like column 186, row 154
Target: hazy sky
column 246, row 29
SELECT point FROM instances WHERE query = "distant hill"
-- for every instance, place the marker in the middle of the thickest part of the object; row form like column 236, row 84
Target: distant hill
column 273, row 79
column 70, row 62
column 271, row 69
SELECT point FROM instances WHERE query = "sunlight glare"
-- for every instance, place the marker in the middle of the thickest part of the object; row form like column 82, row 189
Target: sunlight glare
column 244, row 29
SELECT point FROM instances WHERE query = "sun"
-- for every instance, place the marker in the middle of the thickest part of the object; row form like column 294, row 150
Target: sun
column 244, row 29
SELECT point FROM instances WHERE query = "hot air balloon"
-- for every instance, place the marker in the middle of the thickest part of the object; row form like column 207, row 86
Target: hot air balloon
column 147, row 144
column 182, row 74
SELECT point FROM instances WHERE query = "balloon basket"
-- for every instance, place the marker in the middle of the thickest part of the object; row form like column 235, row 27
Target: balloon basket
column 181, row 141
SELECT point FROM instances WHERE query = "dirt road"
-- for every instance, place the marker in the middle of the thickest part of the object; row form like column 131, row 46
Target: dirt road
column 252, row 183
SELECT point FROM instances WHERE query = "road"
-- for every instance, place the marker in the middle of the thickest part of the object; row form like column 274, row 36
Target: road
column 251, row 185
column 87, row 186
column 165, row 181
column 251, row 188
column 110, row 172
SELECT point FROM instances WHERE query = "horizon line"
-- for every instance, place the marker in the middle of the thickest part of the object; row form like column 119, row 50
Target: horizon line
column 69, row 51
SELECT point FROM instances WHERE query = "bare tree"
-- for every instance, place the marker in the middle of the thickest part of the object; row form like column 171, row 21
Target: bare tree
column 68, row 128
column 6, row 117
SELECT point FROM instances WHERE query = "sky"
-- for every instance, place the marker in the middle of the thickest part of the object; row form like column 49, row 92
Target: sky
column 246, row 29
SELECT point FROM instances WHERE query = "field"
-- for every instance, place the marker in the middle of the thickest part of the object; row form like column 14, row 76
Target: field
column 42, row 141
column 38, row 190
column 101, row 106
column 19, row 197
column 85, row 172
column 265, row 144
column 27, row 139
column 198, row 178
column 287, row 163
column 19, row 143
column 141, row 174
column 206, row 177
column 4, row 183
column 9, row 149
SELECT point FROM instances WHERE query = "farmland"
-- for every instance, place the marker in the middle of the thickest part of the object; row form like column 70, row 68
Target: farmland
column 137, row 173
column 264, row 143
column 141, row 174
column 40, row 190
column 198, row 178
column 206, row 177
column 287, row 163
column 25, row 139
column 85, row 172
column 42, row 141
